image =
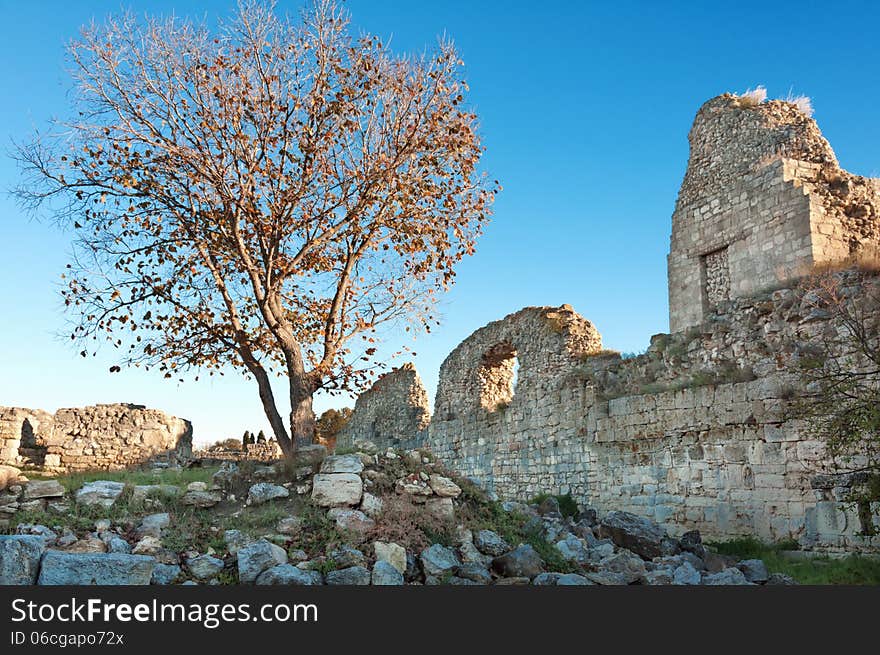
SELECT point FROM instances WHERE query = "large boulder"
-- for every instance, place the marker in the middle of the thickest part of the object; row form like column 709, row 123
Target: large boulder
column 337, row 489
column 639, row 535
column 20, row 558
column 257, row 557
column 60, row 568
column 99, row 492
column 263, row 492
column 523, row 561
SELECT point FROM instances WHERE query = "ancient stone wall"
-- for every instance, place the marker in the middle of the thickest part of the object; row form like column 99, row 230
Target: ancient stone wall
column 763, row 200
column 97, row 437
column 393, row 413
column 695, row 433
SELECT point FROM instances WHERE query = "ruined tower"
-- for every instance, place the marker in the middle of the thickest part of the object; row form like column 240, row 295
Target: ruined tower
column 762, row 201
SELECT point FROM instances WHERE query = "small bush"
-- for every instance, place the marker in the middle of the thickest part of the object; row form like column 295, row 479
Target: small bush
column 752, row 97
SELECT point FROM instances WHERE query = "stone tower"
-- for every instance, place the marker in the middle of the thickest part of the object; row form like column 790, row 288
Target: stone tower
column 762, row 201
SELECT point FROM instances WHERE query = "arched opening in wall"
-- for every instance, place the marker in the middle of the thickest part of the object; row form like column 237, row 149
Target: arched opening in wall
column 30, row 451
column 498, row 375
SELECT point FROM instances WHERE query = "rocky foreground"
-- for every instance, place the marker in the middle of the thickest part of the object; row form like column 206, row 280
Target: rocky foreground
column 355, row 519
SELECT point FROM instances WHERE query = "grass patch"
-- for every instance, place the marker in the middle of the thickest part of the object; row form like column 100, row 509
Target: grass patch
column 567, row 504
column 851, row 570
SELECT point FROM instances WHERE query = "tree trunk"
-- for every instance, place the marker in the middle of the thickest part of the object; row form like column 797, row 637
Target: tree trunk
column 302, row 418
column 271, row 411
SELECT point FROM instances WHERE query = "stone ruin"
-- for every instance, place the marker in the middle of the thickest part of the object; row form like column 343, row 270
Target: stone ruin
column 113, row 436
column 695, row 432
column 393, row 412
column 762, row 201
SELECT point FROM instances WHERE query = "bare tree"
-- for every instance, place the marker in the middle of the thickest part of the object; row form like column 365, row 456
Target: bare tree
column 841, row 376
column 266, row 196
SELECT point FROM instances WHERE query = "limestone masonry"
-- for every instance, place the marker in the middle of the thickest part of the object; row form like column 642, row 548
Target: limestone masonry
column 697, row 431
column 97, row 437
column 762, row 201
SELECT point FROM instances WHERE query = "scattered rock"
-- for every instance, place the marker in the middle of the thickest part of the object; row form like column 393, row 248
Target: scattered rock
column 152, row 525
column 336, row 489
column 256, row 557
column 352, row 520
column 88, row 545
column 627, row 564
column 443, row 486
column 60, row 568
column 441, row 508
column 20, row 558
column 290, row 526
column 353, row 575
column 686, row 574
column 342, row 464
column 263, row 492
column 9, row 476
column 781, row 579
column 490, row 543
column 475, row 573
column 311, row 454
column 235, row 540
column 573, row 580
column 99, row 492
column 372, row 505
column 438, row 560
column 346, row 556
column 390, row 552
column 754, row 570
column 201, row 498
column 204, row 567
column 386, row 575
column 639, row 535
column 728, row 576
column 522, row 561
column 288, row 574
column 43, row 489
column 48, row 536
column 165, row 574
column 149, row 545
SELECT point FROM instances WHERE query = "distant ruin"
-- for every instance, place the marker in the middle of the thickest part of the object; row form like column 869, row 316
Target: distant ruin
column 108, row 437
column 695, row 432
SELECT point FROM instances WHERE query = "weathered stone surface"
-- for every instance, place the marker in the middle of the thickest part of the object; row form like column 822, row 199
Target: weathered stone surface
column 43, row 489
column 152, row 525
column 234, row 540
column 729, row 576
column 634, row 533
column 10, row 475
column 438, row 560
column 443, row 486
column 441, row 508
column 394, row 413
column 342, row 464
column 686, row 574
column 165, row 574
column 256, row 557
column 20, row 558
column 573, row 580
column 59, row 568
column 523, row 561
column 624, row 563
column 490, row 543
column 385, row 574
column 335, row 489
column 393, row 553
column 291, row 526
column 204, row 567
column 345, row 556
column 353, row 575
column 754, row 570
column 351, row 520
column 200, row 498
column 475, row 572
column 99, row 492
column 372, row 505
column 288, row 574
column 263, row 492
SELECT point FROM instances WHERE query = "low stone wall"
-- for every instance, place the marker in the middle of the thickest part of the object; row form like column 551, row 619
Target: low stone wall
column 394, row 413
column 106, row 437
column 258, row 452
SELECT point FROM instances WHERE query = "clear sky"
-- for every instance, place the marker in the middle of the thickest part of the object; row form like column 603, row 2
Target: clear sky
column 585, row 109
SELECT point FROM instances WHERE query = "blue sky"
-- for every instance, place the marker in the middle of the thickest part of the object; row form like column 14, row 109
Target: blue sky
column 585, row 108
